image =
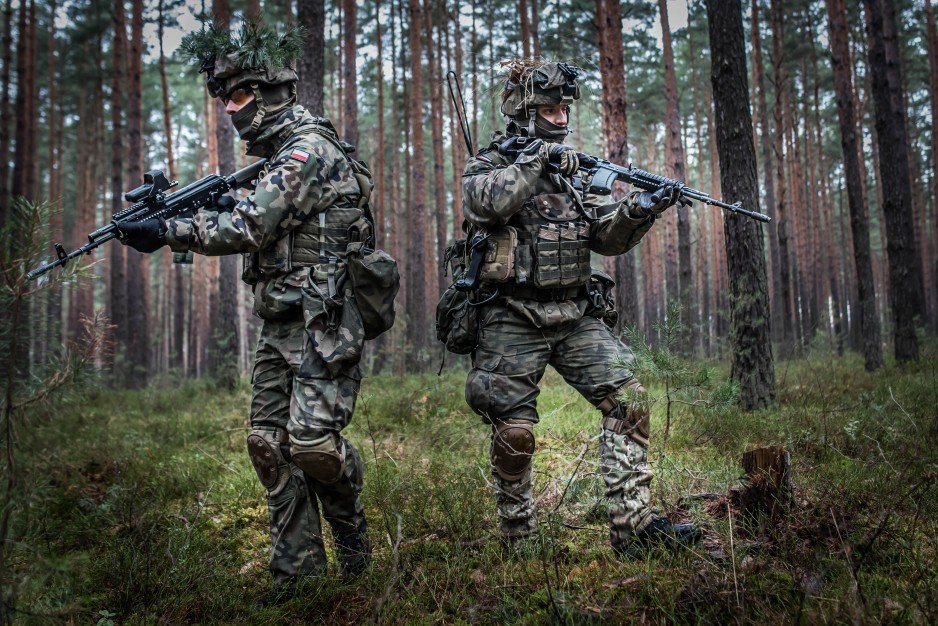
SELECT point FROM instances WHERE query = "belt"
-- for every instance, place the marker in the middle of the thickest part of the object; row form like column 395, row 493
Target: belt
column 538, row 294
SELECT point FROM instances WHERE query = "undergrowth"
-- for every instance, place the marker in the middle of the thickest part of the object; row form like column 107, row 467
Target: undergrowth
column 142, row 507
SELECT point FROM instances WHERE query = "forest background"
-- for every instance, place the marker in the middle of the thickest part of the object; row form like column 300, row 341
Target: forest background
column 93, row 95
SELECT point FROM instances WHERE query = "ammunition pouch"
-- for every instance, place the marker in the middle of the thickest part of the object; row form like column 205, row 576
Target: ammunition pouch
column 602, row 303
column 334, row 325
column 499, row 263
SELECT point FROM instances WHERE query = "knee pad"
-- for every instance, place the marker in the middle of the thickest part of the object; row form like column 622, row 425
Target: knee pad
column 265, row 453
column 512, row 447
column 319, row 459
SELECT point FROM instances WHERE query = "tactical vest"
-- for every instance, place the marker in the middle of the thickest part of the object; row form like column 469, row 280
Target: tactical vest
column 323, row 238
column 544, row 245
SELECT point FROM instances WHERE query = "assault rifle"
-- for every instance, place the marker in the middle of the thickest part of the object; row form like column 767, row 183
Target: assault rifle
column 150, row 200
column 601, row 175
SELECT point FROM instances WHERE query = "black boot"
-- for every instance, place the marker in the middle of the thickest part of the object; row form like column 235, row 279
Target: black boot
column 354, row 550
column 659, row 533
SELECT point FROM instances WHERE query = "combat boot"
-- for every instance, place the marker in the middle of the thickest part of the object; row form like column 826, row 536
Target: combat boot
column 354, row 550
column 659, row 533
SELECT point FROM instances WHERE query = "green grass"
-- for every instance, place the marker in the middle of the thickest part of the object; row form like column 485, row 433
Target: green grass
column 144, row 505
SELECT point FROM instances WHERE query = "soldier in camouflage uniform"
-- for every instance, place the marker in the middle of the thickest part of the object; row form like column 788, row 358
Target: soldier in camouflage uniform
column 293, row 231
column 542, row 227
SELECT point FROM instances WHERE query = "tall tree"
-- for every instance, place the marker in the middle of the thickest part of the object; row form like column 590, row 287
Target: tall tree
column 118, row 303
column 435, row 86
column 5, row 109
column 753, row 366
column 418, row 325
column 311, row 15
column 859, row 222
column 674, row 166
column 349, row 75
column 930, row 249
column 785, row 296
column 225, row 334
column 905, row 277
column 614, row 103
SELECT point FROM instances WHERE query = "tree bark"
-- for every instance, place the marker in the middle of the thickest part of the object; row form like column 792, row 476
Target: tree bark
column 225, row 332
column 781, row 208
column 118, row 309
column 752, row 365
column 5, row 111
column 311, row 14
column 436, row 280
column 350, row 28
column 418, row 326
column 614, row 103
column 859, row 222
column 930, row 225
column 675, row 169
column 905, row 277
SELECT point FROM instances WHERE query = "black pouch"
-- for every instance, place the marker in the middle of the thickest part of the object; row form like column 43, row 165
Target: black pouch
column 602, row 301
column 457, row 321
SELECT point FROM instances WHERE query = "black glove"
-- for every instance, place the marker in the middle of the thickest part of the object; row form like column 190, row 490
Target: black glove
column 225, row 204
column 535, row 147
column 146, row 236
column 654, row 203
column 565, row 158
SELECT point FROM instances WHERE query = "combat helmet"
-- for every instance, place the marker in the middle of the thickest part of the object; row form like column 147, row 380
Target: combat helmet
column 257, row 60
column 530, row 84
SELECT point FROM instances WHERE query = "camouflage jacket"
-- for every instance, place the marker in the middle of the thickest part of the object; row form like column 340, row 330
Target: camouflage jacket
column 495, row 189
column 308, row 174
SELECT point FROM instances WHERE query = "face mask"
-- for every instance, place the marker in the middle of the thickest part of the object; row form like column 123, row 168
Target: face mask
column 243, row 119
column 548, row 131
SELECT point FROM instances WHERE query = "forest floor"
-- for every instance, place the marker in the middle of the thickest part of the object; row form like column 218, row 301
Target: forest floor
column 142, row 507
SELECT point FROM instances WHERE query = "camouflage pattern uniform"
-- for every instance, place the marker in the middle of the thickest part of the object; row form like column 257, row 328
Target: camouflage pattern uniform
column 532, row 326
column 293, row 231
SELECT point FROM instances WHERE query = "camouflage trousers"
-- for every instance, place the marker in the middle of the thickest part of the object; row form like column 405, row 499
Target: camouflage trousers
column 517, row 341
column 296, row 398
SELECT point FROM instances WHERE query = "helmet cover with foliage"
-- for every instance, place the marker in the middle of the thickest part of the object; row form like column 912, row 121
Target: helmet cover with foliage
column 531, row 84
column 256, row 60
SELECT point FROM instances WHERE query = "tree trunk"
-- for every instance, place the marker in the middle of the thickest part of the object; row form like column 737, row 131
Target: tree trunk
column 226, row 334
column 380, row 202
column 675, row 169
column 752, row 365
column 905, row 277
column 458, row 157
column 768, row 180
column 350, row 28
column 614, row 103
column 54, row 309
column 435, row 279
column 781, row 208
column 119, row 308
column 417, row 303
column 930, row 225
column 5, row 111
column 311, row 15
column 252, row 10
column 859, row 223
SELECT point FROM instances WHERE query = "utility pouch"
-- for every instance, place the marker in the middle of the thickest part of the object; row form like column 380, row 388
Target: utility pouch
column 333, row 326
column 375, row 281
column 499, row 264
column 602, row 302
column 457, row 321
column 561, row 254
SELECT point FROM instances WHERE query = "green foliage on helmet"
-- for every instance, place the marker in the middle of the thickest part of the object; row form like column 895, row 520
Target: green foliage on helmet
column 534, row 83
column 255, row 54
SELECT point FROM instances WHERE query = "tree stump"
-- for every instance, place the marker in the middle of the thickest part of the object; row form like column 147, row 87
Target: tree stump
column 767, row 487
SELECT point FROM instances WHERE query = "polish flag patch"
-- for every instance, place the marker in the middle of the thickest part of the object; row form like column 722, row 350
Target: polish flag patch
column 299, row 155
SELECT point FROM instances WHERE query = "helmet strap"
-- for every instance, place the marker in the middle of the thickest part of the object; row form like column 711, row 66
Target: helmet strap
column 261, row 108
column 532, row 113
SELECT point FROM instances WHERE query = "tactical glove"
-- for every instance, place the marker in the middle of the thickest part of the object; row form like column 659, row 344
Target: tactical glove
column 225, row 204
column 649, row 203
column 146, row 236
column 565, row 158
column 535, row 147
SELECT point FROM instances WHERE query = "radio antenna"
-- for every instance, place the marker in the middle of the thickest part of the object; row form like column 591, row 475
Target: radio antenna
column 459, row 104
